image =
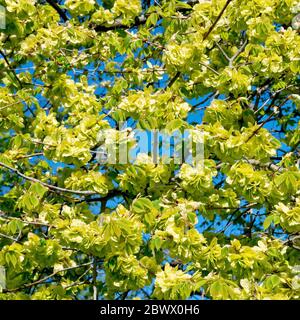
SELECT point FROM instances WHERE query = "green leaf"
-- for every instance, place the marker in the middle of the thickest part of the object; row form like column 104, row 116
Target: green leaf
column 142, row 205
column 268, row 221
column 38, row 189
column 272, row 282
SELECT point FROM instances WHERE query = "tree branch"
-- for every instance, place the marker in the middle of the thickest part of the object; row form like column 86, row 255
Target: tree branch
column 58, row 9
column 217, row 20
column 49, row 186
column 2, row 235
column 177, row 75
column 5, row 217
column 268, row 165
column 240, row 50
column 95, row 289
column 138, row 20
column 259, row 127
column 29, row 285
column 11, row 68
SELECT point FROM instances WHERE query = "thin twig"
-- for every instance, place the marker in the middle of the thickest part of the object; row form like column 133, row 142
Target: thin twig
column 217, row 20
column 2, row 235
column 210, row 68
column 10, row 68
column 177, row 75
column 231, row 61
column 260, row 126
column 29, row 285
column 223, row 52
column 49, row 186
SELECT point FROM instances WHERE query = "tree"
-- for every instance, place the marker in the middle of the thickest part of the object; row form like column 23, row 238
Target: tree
column 72, row 227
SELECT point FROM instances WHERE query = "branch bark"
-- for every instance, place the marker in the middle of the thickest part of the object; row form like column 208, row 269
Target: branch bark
column 217, row 20
column 58, row 9
column 95, row 289
column 49, row 186
column 268, row 165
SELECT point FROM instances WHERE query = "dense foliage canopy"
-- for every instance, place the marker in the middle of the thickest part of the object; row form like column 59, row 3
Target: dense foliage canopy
column 72, row 227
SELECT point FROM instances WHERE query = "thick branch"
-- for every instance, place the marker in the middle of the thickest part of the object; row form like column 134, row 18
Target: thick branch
column 268, row 165
column 95, row 289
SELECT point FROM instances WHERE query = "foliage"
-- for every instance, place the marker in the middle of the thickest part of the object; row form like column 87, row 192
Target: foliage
column 74, row 228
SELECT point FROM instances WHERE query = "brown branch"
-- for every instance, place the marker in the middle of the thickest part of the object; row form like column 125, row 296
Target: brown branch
column 11, row 68
column 230, row 222
column 15, row 75
column 173, row 80
column 260, row 126
column 268, row 119
column 95, row 289
column 217, row 20
column 110, row 195
column 58, row 9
